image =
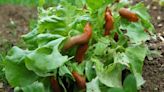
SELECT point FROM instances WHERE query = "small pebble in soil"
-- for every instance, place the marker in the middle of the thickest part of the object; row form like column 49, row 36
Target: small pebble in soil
column 1, row 85
column 162, row 54
column 160, row 25
column 159, row 18
column 160, row 48
column 161, row 69
column 155, row 89
column 150, row 63
column 154, row 7
column 161, row 38
column 155, row 71
column 162, row 66
column 152, row 46
column 150, row 58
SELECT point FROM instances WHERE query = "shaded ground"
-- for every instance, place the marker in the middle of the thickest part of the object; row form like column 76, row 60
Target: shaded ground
column 14, row 21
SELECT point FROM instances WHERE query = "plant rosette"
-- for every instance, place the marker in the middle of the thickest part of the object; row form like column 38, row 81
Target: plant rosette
column 82, row 45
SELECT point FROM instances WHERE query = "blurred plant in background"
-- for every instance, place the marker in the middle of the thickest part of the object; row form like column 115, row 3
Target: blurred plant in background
column 27, row 2
column 161, row 2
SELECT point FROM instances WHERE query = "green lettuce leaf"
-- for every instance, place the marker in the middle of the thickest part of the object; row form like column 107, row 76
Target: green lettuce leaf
column 16, row 72
column 93, row 86
column 34, row 87
column 94, row 5
column 100, row 48
column 43, row 39
column 136, row 56
column 110, row 75
column 116, row 90
column 142, row 12
column 46, row 59
column 63, row 70
column 136, row 33
column 130, row 84
column 30, row 39
column 90, row 72
column 122, row 59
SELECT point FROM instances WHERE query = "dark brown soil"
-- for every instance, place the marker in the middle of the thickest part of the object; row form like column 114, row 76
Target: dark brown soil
column 14, row 21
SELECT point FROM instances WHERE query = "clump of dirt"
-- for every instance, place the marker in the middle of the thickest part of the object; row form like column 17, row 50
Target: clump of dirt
column 14, row 22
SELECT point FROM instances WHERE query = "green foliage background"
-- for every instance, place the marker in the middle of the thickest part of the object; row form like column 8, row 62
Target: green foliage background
column 25, row 2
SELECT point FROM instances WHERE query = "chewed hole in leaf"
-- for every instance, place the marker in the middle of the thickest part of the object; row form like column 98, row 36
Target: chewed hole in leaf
column 109, row 45
column 124, row 31
column 94, row 47
column 106, row 52
column 45, row 50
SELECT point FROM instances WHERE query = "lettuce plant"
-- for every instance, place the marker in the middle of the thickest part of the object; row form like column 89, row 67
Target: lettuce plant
column 31, row 69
